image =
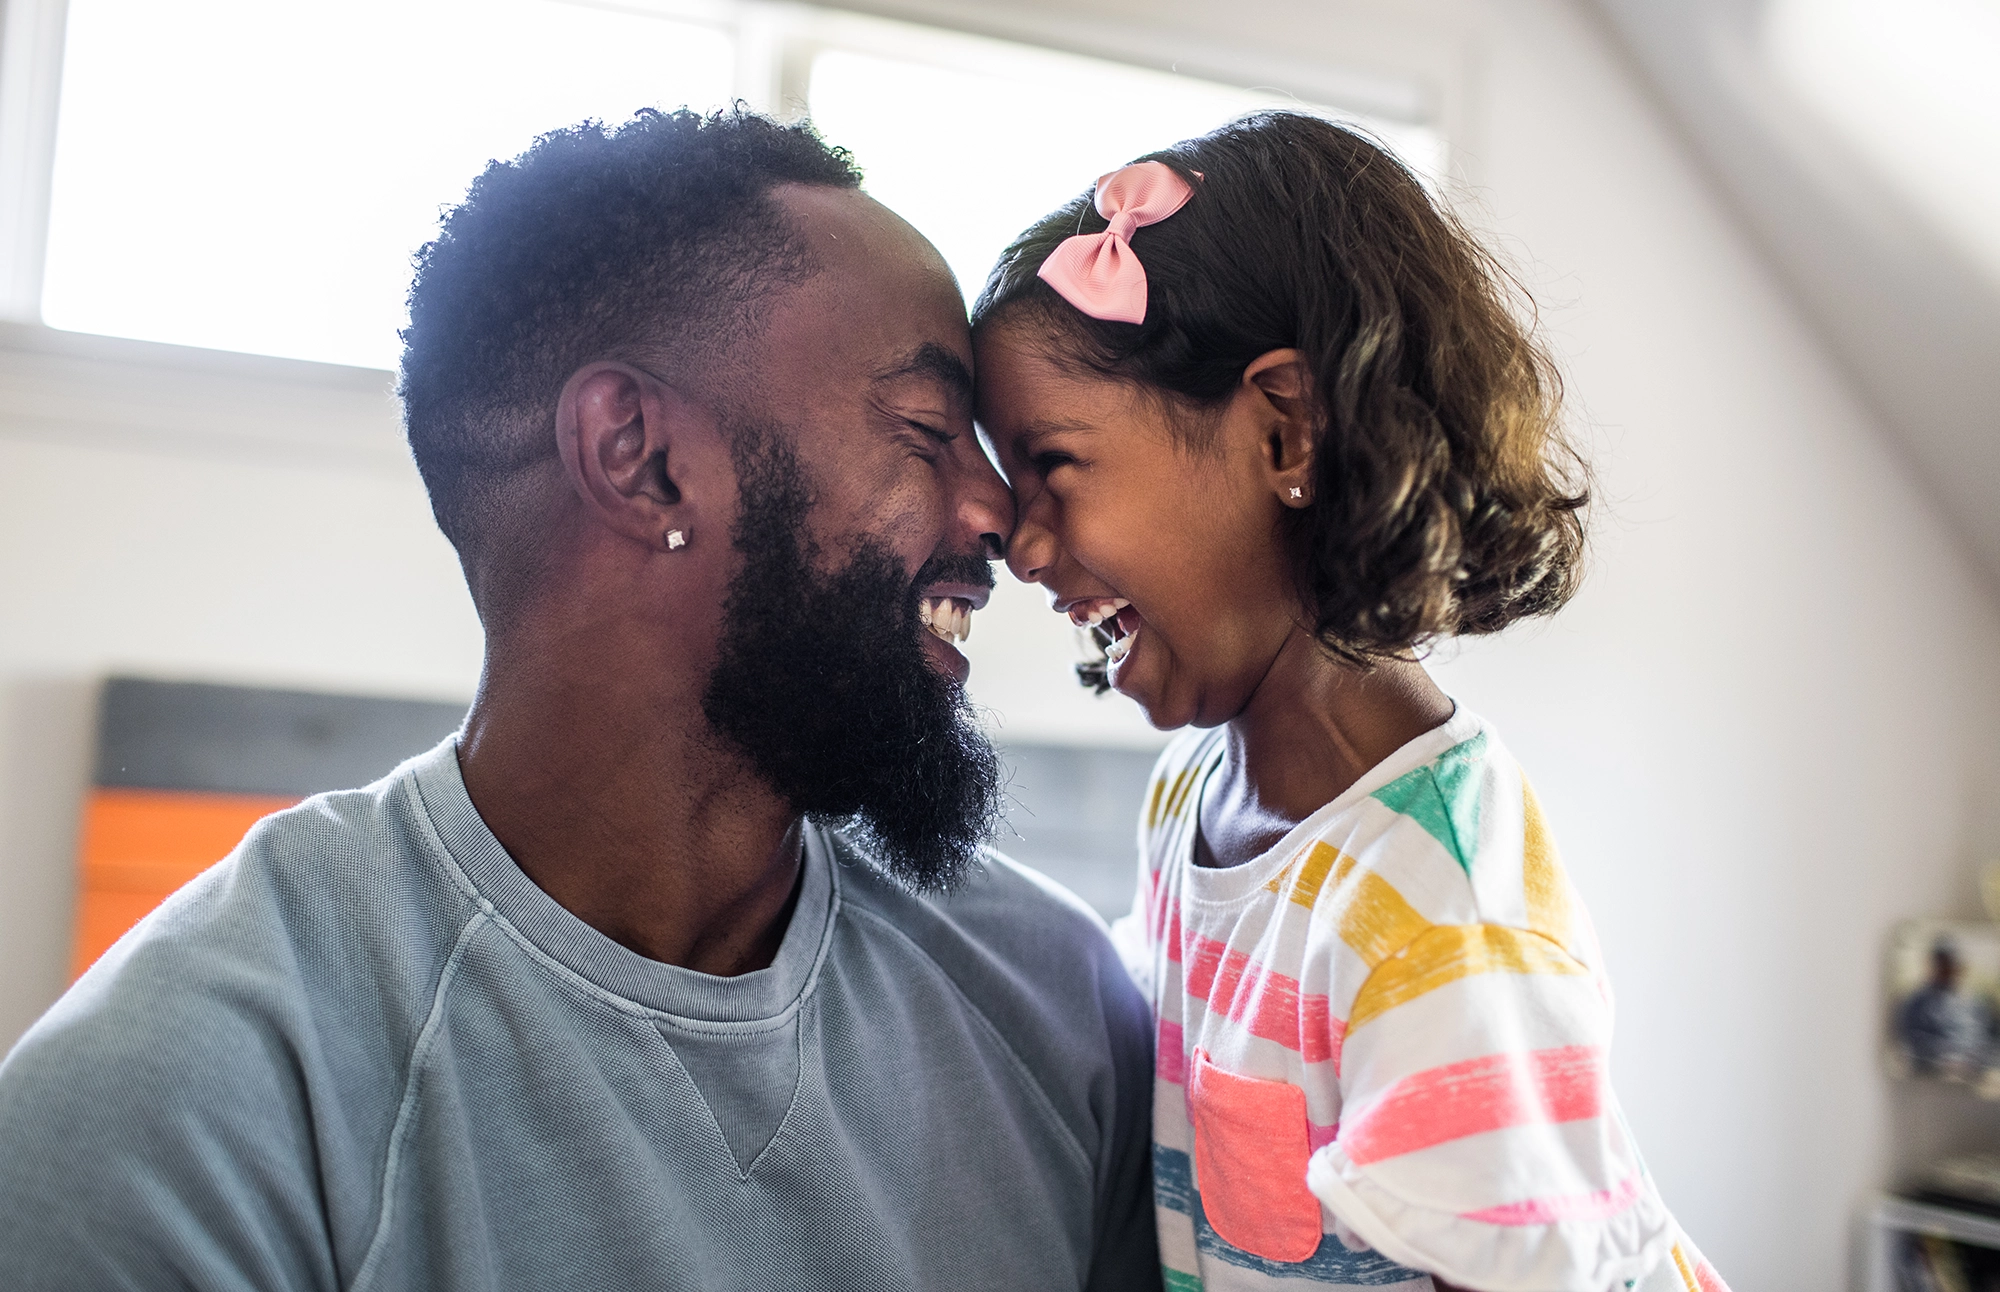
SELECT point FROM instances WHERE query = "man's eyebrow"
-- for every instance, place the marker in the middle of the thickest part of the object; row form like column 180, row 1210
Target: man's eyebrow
column 937, row 363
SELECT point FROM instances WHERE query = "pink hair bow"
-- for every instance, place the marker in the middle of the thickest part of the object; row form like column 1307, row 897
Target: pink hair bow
column 1098, row 272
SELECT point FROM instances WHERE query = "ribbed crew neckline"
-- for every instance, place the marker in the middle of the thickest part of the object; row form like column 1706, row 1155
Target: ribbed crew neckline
column 761, row 997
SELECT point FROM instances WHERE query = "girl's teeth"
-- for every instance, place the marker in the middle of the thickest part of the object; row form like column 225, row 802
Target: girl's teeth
column 1098, row 612
column 1119, row 649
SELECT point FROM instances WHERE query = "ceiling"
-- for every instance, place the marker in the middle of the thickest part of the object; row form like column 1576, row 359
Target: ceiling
column 1905, row 299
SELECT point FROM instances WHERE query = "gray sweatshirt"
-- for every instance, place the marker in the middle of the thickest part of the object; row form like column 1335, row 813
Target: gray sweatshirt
column 366, row 1052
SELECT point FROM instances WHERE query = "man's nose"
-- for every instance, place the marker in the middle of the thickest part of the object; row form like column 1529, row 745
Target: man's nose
column 986, row 507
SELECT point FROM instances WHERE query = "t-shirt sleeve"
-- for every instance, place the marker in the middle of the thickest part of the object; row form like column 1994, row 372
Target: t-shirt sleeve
column 147, row 1146
column 1478, row 1138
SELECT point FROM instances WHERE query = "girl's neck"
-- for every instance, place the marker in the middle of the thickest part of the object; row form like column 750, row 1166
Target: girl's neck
column 1312, row 729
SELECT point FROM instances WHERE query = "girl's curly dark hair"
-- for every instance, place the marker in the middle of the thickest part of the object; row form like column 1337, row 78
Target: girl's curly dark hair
column 1446, row 499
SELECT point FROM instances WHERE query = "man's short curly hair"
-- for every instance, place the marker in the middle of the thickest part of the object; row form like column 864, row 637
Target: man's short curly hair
column 653, row 242
column 1446, row 499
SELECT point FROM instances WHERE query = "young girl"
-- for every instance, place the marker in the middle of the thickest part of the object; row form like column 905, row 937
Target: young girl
column 1272, row 429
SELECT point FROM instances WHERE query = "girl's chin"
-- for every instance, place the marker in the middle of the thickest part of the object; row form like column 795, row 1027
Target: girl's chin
column 1141, row 676
column 1159, row 711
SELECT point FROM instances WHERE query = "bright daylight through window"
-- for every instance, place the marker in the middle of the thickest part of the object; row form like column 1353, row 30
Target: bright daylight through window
column 249, row 176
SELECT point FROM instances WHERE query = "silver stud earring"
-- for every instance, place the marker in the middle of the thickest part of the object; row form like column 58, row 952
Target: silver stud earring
column 676, row 540
column 1297, row 492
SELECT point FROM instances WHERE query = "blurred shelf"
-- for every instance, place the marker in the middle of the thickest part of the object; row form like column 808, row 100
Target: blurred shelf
column 1892, row 1219
column 1905, row 1215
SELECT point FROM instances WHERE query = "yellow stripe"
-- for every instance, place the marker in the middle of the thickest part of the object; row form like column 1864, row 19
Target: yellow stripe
column 1541, row 873
column 1166, row 797
column 1307, row 878
column 1450, row 952
column 1188, row 780
column 1372, row 917
column 1687, row 1273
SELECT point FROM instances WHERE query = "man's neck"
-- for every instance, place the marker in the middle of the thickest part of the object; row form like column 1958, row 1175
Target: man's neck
column 654, row 834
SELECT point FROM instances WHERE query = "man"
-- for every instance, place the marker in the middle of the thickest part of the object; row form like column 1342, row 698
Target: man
column 592, row 996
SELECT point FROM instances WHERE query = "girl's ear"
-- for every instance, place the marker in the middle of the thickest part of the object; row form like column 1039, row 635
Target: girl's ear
column 1281, row 383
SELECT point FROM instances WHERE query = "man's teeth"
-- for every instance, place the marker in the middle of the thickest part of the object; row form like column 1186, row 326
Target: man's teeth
column 950, row 618
column 1119, row 649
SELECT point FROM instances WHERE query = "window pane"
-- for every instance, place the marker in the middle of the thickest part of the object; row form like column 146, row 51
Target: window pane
column 255, row 174
column 975, row 142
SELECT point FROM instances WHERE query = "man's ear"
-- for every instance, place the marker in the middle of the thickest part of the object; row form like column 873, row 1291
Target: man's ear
column 626, row 438
column 1281, row 387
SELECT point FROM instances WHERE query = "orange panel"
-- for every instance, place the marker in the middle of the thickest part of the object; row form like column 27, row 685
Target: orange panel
column 140, row 845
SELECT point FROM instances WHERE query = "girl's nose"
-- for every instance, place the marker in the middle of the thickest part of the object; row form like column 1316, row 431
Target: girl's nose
column 1031, row 553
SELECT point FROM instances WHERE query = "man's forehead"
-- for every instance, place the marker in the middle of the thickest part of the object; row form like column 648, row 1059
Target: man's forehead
column 933, row 363
column 880, row 294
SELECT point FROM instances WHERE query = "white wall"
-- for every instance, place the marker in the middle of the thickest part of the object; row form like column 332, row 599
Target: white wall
column 1767, row 728
column 219, row 519
column 1764, row 731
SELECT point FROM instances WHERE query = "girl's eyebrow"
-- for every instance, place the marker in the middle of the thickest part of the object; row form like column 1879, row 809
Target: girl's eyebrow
column 1048, row 427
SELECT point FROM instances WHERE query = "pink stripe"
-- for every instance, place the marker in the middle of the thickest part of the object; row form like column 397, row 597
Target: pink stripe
column 1576, row 1206
column 1156, row 907
column 1228, row 981
column 1315, row 1020
column 1705, row 1274
column 1319, row 1136
column 1485, row 1094
column 1267, row 1004
column 1200, row 959
column 1171, row 1053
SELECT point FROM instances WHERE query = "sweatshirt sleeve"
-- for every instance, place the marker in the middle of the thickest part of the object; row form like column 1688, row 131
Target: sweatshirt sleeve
column 145, row 1146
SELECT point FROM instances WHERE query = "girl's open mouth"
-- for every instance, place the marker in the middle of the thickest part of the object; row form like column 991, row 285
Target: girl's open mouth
column 1106, row 629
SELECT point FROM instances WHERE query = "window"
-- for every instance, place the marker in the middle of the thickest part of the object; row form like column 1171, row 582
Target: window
column 255, row 176
column 972, row 140
column 249, row 175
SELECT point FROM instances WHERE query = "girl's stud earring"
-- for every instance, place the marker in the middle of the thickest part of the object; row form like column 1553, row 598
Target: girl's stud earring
column 676, row 540
column 1298, row 492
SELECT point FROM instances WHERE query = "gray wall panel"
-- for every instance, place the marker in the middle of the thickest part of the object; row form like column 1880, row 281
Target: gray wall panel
column 247, row 740
column 1073, row 815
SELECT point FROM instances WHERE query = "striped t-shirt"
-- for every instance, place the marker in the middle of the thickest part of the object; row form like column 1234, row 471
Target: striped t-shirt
column 1382, row 1044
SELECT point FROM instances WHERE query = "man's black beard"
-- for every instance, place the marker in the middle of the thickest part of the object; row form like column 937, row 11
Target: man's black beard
column 822, row 680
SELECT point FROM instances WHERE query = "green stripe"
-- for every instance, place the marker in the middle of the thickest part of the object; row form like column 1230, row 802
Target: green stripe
column 1179, row 1282
column 1443, row 797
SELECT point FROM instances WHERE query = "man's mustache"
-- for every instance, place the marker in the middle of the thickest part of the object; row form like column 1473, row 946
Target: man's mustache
column 967, row 567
